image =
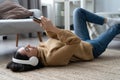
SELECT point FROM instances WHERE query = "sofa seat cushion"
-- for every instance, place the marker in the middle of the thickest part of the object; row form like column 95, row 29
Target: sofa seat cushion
column 13, row 26
column 12, row 10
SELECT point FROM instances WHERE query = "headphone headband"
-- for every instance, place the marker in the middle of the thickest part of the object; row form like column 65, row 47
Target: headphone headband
column 32, row 61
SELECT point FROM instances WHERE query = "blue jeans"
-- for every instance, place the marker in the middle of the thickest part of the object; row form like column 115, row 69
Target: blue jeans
column 80, row 17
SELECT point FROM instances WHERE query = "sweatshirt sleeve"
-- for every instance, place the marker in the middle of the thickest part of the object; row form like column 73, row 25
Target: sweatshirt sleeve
column 68, row 37
column 51, row 34
column 64, row 36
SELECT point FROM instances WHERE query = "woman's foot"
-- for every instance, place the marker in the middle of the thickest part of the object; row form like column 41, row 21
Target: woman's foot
column 112, row 21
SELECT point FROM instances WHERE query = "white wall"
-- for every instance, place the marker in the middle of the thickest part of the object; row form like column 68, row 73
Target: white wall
column 107, row 5
column 47, row 1
column 50, row 9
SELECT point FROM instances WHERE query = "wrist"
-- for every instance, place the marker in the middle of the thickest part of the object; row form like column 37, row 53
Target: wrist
column 56, row 30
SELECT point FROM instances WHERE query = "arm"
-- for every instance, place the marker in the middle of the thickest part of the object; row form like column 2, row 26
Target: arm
column 49, row 28
column 64, row 36
column 62, row 55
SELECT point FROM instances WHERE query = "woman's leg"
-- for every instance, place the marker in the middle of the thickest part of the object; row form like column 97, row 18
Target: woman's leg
column 101, row 42
column 80, row 17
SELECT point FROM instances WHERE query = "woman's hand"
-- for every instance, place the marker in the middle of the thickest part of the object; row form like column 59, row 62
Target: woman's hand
column 48, row 25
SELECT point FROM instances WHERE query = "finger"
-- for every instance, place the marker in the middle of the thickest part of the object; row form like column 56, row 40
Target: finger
column 45, row 22
column 41, row 25
column 42, row 22
column 44, row 19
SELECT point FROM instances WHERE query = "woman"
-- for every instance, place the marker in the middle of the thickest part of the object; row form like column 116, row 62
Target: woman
column 63, row 46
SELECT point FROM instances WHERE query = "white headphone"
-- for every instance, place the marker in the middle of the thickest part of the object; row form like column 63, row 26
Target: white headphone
column 32, row 61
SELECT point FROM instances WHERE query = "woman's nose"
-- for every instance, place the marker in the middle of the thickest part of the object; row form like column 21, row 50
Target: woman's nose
column 28, row 45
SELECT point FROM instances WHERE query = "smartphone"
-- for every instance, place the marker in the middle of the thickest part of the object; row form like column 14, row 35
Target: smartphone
column 36, row 19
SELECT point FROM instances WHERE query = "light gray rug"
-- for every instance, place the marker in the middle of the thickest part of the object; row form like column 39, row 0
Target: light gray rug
column 106, row 67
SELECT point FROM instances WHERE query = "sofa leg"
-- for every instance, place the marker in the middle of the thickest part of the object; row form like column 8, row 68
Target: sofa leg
column 17, row 37
column 30, row 35
column 39, row 36
column 4, row 37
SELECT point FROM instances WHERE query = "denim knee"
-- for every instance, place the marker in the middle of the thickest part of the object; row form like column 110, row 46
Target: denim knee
column 77, row 10
column 115, row 29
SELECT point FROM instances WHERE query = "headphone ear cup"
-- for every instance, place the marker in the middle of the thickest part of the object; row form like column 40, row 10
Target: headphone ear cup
column 33, row 61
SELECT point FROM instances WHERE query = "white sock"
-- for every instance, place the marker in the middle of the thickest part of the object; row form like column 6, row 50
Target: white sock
column 112, row 21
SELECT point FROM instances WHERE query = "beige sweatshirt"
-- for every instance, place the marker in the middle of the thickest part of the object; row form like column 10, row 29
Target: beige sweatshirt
column 62, row 48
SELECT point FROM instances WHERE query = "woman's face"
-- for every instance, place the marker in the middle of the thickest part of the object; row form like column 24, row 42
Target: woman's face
column 28, row 50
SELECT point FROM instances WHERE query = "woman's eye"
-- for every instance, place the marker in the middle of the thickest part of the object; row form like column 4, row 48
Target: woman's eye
column 26, row 49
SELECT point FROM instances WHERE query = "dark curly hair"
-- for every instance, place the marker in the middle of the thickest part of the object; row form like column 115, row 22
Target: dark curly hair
column 16, row 67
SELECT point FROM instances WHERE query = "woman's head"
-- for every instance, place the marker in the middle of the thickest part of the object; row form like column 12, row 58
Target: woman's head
column 28, row 50
column 23, row 62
